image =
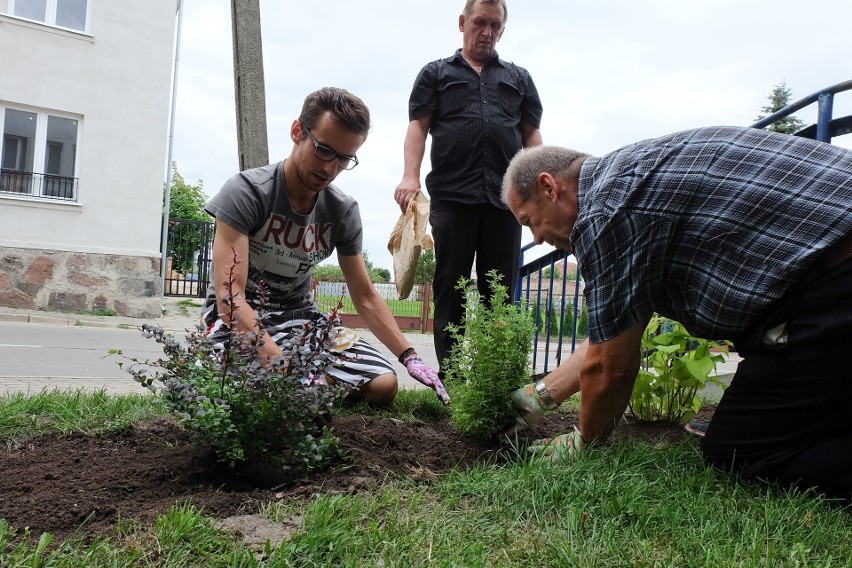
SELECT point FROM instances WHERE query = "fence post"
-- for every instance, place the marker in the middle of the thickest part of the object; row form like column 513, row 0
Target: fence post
column 424, row 313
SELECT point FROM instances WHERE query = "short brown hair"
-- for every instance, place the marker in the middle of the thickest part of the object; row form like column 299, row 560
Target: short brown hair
column 346, row 109
column 468, row 7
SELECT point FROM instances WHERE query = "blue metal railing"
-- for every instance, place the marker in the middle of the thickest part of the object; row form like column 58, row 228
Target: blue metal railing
column 825, row 128
column 543, row 287
column 541, row 292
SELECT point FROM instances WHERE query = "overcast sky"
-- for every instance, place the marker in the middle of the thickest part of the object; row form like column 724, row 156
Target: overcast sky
column 609, row 72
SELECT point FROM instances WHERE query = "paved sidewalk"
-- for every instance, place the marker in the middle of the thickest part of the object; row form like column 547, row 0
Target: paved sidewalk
column 182, row 314
column 178, row 317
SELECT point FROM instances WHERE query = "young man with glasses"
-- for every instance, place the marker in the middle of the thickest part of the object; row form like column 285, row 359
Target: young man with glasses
column 283, row 219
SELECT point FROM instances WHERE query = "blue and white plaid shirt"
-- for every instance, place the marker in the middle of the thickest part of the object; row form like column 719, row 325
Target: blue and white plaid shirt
column 707, row 226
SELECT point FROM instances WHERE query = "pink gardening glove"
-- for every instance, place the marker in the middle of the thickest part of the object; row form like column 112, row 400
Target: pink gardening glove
column 422, row 373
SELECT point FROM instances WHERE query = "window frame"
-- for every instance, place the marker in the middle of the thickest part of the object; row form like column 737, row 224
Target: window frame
column 39, row 190
column 50, row 15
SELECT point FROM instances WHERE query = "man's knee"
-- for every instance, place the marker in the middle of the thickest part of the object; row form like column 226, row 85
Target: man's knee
column 380, row 391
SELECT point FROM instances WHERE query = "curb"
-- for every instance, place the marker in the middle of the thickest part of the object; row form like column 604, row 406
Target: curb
column 77, row 322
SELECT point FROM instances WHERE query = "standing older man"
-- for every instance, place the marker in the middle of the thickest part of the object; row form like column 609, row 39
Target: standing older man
column 480, row 111
column 735, row 232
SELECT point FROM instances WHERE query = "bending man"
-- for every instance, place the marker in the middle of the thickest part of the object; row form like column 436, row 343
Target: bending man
column 737, row 233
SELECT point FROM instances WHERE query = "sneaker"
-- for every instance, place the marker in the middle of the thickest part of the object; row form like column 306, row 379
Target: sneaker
column 697, row 427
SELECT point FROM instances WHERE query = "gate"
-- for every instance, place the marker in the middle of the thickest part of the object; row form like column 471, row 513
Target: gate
column 189, row 256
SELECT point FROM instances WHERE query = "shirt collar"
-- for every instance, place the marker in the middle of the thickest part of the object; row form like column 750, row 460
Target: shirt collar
column 457, row 58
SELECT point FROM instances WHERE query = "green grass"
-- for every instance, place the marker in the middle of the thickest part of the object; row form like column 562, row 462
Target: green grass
column 410, row 308
column 23, row 416
column 625, row 504
column 410, row 405
column 104, row 312
column 184, row 307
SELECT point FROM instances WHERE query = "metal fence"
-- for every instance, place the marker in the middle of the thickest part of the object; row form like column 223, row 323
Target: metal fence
column 189, row 257
column 30, row 184
column 551, row 289
column 189, row 271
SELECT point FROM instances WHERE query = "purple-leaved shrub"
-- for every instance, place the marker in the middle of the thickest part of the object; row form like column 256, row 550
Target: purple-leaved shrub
column 244, row 407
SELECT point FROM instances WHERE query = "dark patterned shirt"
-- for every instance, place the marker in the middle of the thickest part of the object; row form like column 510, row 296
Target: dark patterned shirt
column 707, row 226
column 475, row 126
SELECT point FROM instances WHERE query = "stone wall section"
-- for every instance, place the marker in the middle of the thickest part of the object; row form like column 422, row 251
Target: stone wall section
column 80, row 282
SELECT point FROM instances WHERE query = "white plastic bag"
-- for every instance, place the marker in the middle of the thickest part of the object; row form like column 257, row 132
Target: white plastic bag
column 407, row 240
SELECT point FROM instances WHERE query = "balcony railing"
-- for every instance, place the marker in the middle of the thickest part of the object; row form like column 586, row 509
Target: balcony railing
column 30, row 184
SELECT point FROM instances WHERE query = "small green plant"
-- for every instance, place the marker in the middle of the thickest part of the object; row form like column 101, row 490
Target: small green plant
column 583, row 321
column 104, row 312
column 490, row 360
column 185, row 305
column 568, row 320
column 675, row 366
column 246, row 408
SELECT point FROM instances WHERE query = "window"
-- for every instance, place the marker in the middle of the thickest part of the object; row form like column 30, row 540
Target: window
column 64, row 13
column 38, row 140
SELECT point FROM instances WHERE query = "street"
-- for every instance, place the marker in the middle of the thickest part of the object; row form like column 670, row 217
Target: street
column 37, row 356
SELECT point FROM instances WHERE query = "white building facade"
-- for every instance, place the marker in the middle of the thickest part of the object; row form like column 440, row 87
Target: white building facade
column 84, row 110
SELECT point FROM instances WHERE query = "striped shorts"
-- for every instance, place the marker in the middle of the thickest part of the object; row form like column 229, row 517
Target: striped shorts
column 363, row 362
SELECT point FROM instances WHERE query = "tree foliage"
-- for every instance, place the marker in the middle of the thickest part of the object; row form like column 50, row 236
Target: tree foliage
column 583, row 321
column 551, row 271
column 568, row 319
column 376, row 274
column 329, row 272
column 333, row 273
column 186, row 202
column 779, row 98
column 425, row 271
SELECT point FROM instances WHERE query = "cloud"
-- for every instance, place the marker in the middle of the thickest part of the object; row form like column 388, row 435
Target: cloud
column 609, row 73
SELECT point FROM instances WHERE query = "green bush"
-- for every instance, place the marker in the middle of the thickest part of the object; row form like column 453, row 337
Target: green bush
column 675, row 366
column 491, row 358
column 583, row 322
column 186, row 201
column 246, row 410
column 568, row 320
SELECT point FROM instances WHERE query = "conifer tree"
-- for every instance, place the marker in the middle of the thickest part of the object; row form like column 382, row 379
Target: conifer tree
column 780, row 98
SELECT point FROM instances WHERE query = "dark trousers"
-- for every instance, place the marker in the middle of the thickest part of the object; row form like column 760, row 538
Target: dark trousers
column 462, row 232
column 787, row 416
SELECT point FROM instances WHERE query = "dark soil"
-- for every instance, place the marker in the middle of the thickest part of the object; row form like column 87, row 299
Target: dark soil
column 86, row 483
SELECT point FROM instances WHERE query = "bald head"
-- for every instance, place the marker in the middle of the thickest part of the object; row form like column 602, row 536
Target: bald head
column 529, row 163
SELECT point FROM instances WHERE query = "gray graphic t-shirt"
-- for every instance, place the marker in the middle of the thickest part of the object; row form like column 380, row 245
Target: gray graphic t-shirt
column 283, row 245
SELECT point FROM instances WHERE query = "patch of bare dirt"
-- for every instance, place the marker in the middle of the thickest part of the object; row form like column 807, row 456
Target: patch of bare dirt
column 59, row 484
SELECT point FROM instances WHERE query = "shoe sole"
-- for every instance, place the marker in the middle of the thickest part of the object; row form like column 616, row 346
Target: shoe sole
column 697, row 428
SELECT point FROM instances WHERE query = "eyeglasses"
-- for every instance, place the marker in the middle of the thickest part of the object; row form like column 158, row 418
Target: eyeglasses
column 326, row 154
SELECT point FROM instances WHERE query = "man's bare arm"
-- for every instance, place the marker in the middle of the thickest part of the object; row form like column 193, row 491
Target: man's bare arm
column 606, row 382
column 415, row 148
column 226, row 243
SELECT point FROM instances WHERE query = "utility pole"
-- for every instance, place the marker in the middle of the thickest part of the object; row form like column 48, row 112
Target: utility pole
column 252, row 142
